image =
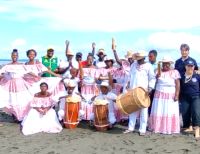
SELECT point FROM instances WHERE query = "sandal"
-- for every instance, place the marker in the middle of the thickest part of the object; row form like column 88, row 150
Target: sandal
column 127, row 131
column 142, row 134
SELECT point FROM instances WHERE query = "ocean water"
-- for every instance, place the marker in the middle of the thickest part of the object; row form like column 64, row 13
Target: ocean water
column 6, row 61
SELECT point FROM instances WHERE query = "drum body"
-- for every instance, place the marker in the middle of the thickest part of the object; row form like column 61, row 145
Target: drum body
column 72, row 108
column 101, row 117
column 133, row 100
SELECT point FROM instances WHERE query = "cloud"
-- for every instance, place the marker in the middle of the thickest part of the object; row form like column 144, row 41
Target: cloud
column 109, row 16
column 3, row 9
column 168, row 43
column 18, row 43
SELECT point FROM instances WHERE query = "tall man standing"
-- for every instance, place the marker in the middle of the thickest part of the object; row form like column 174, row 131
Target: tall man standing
column 141, row 75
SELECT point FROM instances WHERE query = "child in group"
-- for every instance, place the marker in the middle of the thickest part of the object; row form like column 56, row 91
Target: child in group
column 74, row 78
column 106, row 94
column 70, row 86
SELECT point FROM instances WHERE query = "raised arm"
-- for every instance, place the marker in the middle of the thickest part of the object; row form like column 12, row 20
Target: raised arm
column 117, row 58
column 115, row 52
column 93, row 49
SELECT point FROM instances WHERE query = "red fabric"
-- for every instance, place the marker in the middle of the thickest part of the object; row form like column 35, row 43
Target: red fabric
column 83, row 63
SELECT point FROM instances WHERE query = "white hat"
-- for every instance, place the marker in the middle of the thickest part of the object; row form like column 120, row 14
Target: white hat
column 101, row 51
column 109, row 58
column 166, row 59
column 140, row 55
column 104, row 83
column 71, row 83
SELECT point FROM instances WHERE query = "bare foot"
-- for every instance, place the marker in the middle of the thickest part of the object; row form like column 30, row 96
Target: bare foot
column 196, row 133
column 190, row 129
column 1, row 124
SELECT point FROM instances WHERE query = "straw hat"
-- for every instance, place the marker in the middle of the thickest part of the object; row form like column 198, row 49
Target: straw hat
column 166, row 59
column 129, row 54
column 140, row 55
column 101, row 51
column 50, row 49
column 69, row 52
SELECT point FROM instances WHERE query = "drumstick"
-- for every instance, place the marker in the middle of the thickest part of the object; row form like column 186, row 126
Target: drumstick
column 80, row 96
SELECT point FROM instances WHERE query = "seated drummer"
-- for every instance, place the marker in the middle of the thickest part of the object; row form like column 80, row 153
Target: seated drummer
column 70, row 86
column 74, row 78
column 106, row 94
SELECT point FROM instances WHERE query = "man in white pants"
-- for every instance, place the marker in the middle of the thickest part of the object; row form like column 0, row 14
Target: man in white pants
column 141, row 75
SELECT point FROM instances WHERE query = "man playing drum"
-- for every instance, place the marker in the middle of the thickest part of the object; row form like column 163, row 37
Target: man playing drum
column 141, row 75
column 108, row 96
column 70, row 91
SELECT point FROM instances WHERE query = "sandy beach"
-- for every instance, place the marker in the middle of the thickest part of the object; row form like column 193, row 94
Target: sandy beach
column 85, row 140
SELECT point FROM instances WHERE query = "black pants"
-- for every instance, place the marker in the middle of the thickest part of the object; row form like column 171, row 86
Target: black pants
column 151, row 98
column 190, row 106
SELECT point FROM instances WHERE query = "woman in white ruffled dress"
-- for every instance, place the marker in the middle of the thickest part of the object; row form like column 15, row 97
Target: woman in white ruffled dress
column 164, row 117
column 14, row 90
column 89, row 88
column 42, row 117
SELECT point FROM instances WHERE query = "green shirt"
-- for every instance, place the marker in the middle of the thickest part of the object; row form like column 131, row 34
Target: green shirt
column 51, row 63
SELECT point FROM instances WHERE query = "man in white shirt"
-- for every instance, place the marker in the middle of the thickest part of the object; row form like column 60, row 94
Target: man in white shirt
column 106, row 94
column 141, row 75
column 100, row 62
column 66, row 65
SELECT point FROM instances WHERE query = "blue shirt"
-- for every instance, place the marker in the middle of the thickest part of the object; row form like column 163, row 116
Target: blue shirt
column 190, row 88
column 180, row 65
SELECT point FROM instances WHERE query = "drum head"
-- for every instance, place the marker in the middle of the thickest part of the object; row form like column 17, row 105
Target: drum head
column 142, row 97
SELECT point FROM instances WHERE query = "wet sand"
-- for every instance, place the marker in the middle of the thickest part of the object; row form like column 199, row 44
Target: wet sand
column 85, row 140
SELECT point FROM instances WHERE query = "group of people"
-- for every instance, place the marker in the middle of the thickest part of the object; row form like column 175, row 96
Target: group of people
column 30, row 91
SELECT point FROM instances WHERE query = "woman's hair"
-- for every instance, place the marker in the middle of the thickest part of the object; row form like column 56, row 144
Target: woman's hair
column 14, row 51
column 28, row 52
column 185, row 46
column 44, row 83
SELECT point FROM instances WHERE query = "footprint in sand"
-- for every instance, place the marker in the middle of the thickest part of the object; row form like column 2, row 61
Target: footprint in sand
column 14, row 147
column 51, row 152
column 128, row 142
column 185, row 151
column 148, row 150
column 166, row 151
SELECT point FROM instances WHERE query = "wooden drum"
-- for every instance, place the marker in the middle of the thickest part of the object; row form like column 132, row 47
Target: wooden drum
column 72, row 107
column 101, row 115
column 133, row 100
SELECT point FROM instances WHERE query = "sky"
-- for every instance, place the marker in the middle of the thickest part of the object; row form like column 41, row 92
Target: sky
column 136, row 25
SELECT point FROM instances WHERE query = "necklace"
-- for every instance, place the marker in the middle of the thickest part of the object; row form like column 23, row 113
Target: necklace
column 188, row 78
